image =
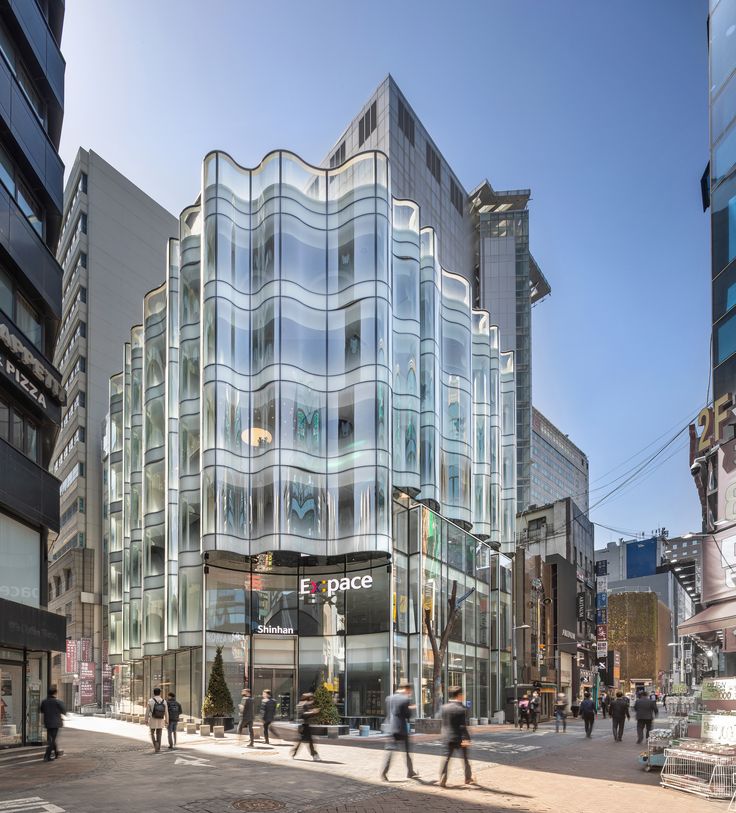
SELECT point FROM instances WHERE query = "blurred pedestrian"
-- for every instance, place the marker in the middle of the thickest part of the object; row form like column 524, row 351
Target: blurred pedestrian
column 399, row 710
column 306, row 711
column 604, row 701
column 534, row 709
column 175, row 711
column 455, row 730
column 53, row 711
column 646, row 710
column 561, row 713
column 664, row 701
column 157, row 718
column 587, row 712
column 524, row 712
column 268, row 712
column 247, row 714
column 619, row 710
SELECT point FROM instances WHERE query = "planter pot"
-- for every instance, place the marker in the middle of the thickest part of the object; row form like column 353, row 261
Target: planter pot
column 227, row 722
column 325, row 730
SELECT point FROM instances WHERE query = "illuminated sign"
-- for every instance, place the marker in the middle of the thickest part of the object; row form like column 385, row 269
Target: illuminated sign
column 331, row 586
column 265, row 628
column 38, row 370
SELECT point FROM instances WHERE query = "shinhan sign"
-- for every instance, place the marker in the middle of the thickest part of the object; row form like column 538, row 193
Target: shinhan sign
column 331, row 586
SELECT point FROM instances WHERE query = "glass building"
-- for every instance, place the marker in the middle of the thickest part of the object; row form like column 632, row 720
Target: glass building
column 312, row 438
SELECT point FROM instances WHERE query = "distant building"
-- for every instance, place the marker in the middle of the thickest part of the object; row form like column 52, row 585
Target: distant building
column 640, row 629
column 559, row 543
column 112, row 249
column 559, row 467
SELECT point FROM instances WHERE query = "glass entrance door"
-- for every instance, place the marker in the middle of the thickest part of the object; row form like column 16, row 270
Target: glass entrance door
column 11, row 705
column 281, row 682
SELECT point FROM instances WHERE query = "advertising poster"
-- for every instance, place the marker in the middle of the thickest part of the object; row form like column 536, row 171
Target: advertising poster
column 71, row 656
column 719, row 550
column 85, row 649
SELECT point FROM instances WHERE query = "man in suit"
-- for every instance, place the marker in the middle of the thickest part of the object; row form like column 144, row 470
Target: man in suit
column 247, row 715
column 268, row 712
column 399, row 710
column 646, row 710
column 455, row 730
column 619, row 711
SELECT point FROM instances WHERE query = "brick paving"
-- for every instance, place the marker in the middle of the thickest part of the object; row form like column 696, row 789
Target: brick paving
column 109, row 766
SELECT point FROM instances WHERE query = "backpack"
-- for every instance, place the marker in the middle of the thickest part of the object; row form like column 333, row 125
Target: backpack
column 158, row 712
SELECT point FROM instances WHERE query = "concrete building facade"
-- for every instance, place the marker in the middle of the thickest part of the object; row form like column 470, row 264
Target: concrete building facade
column 112, row 248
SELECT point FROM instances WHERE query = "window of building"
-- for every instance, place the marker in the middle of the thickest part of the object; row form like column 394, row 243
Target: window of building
column 57, row 586
column 18, row 430
column 68, row 579
column 10, row 54
column 68, row 612
column 13, row 181
column 406, row 122
column 456, row 197
column 726, row 337
column 17, row 307
column 433, row 163
column 367, row 124
column 338, row 157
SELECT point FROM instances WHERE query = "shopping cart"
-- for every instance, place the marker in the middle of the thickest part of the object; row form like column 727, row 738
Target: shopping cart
column 659, row 740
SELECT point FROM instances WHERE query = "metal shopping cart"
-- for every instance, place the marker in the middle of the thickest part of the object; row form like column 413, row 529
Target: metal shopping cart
column 659, row 740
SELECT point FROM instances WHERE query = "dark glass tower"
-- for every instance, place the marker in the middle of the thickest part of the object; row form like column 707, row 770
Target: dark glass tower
column 31, row 392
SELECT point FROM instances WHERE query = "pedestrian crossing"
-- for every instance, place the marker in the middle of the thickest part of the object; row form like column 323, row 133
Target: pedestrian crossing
column 31, row 804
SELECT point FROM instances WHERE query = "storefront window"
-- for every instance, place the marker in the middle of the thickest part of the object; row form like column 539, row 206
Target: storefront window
column 368, row 674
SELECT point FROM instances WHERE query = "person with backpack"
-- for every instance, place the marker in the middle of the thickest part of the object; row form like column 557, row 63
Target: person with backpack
column 524, row 712
column 157, row 717
column 561, row 713
column 534, row 709
column 53, row 711
column 306, row 711
column 268, row 712
column 175, row 712
column 587, row 712
column 247, row 715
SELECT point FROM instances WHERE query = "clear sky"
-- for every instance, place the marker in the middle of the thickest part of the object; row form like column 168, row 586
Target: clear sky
column 599, row 107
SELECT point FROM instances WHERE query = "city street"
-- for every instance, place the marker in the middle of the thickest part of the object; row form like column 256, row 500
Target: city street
column 109, row 766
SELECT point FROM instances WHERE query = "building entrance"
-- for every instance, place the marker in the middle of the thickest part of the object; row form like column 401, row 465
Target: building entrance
column 274, row 668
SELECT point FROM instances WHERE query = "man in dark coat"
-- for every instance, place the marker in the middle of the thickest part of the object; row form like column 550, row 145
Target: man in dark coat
column 619, row 711
column 306, row 712
column 247, row 714
column 587, row 712
column 646, row 711
column 175, row 712
column 399, row 710
column 268, row 712
column 455, row 730
column 52, row 710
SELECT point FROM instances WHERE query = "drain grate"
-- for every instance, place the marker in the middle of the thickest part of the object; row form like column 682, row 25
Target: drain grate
column 257, row 805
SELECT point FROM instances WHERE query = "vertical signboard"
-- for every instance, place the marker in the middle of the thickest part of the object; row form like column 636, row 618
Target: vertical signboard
column 719, row 550
column 71, row 656
column 601, row 608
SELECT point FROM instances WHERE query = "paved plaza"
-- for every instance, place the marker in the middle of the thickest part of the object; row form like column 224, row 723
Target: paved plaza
column 109, row 766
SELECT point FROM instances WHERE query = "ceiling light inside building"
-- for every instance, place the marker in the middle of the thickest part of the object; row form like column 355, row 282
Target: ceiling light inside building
column 256, row 436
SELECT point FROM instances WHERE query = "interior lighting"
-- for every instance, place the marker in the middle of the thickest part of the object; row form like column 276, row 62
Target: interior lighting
column 256, row 436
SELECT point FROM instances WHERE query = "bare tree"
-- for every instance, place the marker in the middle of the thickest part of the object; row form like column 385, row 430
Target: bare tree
column 439, row 647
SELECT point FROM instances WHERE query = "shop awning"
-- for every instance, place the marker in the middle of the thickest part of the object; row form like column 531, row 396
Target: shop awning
column 711, row 619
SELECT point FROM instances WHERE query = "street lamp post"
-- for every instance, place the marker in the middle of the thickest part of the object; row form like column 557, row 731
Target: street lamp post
column 514, row 661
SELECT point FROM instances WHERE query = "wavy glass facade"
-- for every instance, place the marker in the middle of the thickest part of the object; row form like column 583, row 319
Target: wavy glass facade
column 306, row 369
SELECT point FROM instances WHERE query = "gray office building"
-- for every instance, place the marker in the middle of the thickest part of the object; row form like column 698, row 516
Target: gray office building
column 112, row 248
column 482, row 235
column 559, row 467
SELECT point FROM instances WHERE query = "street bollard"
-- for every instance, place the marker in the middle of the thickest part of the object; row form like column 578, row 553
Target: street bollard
column 204, row 730
column 218, row 731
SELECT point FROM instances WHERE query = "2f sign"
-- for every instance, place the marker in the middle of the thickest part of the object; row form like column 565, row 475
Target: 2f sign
column 712, row 421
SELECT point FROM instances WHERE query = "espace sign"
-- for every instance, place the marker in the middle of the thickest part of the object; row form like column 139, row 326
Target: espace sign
column 331, row 586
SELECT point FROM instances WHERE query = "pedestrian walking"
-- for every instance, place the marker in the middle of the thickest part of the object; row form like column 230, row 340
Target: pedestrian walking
column 664, row 701
column 524, row 712
column 619, row 710
column 306, row 712
column 268, row 712
column 534, row 709
column 604, row 704
column 157, row 717
column 587, row 712
column 53, row 711
column 561, row 713
column 646, row 710
column 455, row 730
column 399, row 710
column 247, row 715
column 175, row 712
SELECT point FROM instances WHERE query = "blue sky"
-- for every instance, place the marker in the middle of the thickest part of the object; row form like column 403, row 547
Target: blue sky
column 600, row 108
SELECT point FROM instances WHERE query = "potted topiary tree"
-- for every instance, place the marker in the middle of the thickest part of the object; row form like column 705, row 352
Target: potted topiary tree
column 324, row 699
column 217, row 707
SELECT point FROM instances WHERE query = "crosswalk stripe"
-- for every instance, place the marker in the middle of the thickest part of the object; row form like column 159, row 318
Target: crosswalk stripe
column 31, row 804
